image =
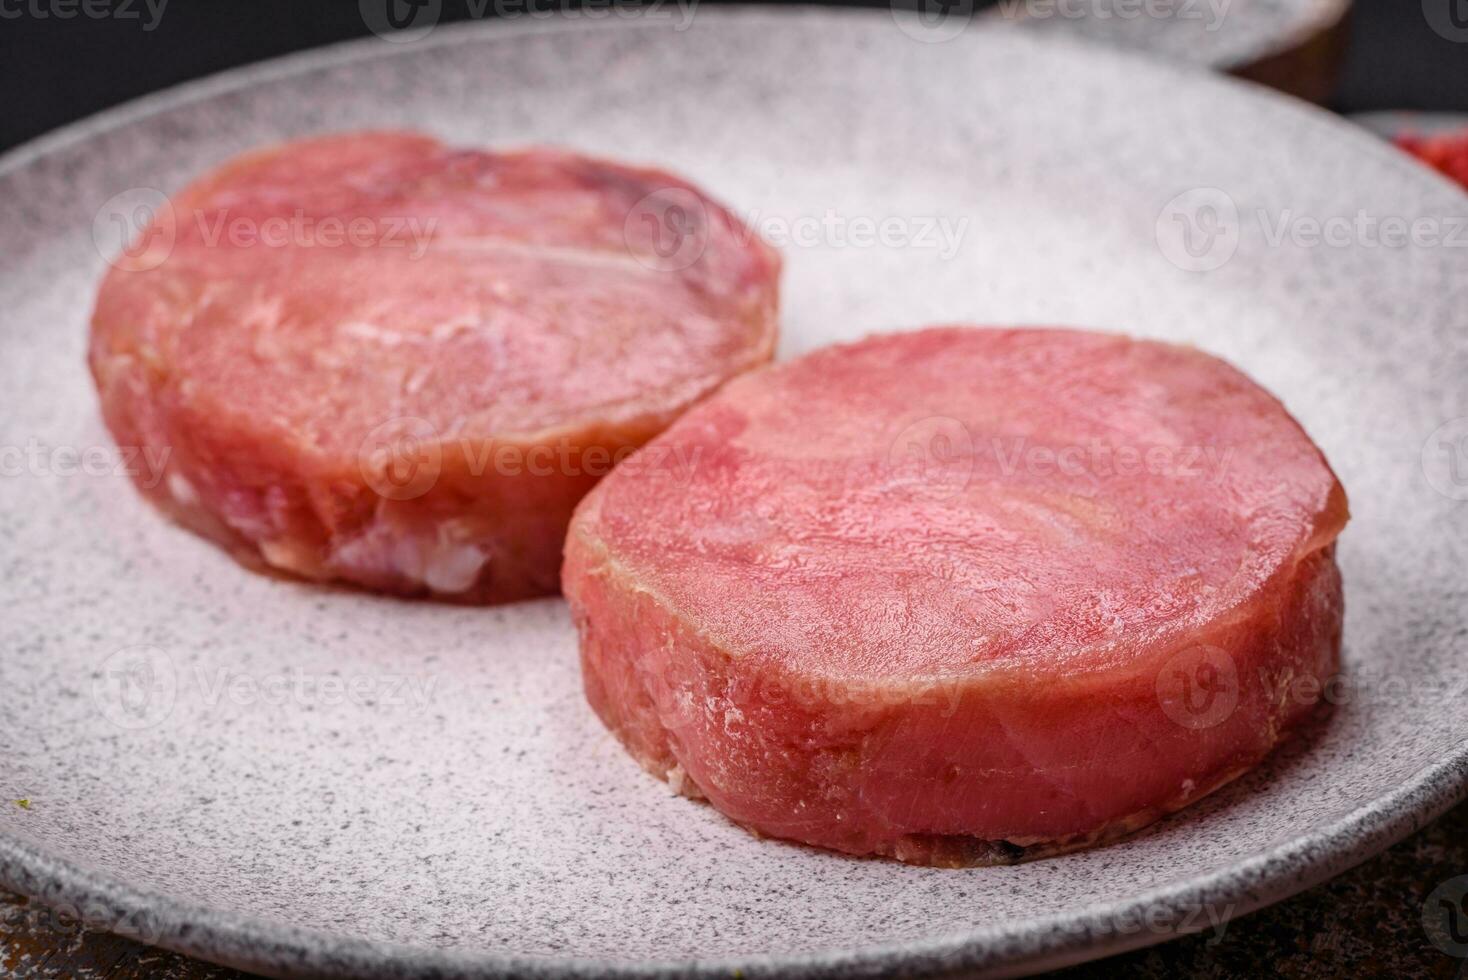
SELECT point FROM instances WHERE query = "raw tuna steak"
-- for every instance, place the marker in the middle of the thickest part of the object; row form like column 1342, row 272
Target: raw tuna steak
column 377, row 359
column 962, row 596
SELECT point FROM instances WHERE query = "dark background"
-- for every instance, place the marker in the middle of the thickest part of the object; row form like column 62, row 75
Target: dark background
column 53, row 71
column 1366, row 923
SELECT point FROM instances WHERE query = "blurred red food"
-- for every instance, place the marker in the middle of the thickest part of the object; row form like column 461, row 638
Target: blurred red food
column 1445, row 152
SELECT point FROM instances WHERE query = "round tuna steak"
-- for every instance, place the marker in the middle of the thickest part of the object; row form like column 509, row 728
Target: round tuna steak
column 963, row 596
column 376, row 359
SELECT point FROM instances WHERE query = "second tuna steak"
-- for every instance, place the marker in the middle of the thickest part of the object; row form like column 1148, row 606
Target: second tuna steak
column 962, row 596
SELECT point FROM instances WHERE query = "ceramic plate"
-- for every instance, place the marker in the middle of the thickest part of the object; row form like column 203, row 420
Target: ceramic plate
column 1223, row 34
column 1390, row 124
column 302, row 780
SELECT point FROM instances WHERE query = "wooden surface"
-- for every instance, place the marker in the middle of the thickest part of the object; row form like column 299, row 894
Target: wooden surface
column 1368, row 922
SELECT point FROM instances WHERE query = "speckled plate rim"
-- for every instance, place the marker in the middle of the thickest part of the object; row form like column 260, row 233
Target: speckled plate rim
column 1325, row 15
column 1388, row 123
column 281, row 949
